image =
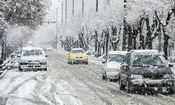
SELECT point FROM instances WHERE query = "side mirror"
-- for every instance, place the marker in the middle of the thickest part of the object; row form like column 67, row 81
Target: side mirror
column 18, row 56
column 103, row 62
column 88, row 53
column 170, row 65
column 46, row 55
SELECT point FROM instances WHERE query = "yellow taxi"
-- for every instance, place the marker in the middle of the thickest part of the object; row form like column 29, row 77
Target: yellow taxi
column 77, row 55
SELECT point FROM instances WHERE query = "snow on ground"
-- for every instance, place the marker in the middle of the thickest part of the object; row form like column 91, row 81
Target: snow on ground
column 65, row 84
column 35, row 88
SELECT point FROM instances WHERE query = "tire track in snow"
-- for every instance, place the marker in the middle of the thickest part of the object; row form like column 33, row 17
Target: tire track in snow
column 135, row 97
column 9, row 89
column 81, row 74
column 42, row 91
column 90, row 77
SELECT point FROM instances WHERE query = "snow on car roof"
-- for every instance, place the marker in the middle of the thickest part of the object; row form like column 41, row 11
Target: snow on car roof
column 77, row 49
column 118, row 52
column 151, row 52
column 30, row 48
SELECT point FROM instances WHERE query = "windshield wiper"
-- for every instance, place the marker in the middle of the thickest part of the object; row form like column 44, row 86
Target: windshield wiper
column 139, row 65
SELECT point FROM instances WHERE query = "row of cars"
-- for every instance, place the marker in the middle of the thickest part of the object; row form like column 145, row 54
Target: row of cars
column 139, row 69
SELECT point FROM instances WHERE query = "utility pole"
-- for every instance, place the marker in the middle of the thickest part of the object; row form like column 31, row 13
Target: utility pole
column 73, row 8
column 124, row 27
column 96, row 5
column 62, row 7
column 56, row 37
column 108, row 2
column 82, row 7
column 65, row 11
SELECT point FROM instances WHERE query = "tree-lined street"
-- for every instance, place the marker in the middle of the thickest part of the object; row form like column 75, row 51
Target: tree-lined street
column 65, row 84
column 67, row 52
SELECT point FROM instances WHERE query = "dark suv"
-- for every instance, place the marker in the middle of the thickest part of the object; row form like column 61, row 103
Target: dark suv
column 146, row 69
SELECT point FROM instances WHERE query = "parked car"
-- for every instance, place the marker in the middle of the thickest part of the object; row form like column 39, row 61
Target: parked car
column 112, row 65
column 77, row 55
column 172, row 56
column 32, row 58
column 144, row 69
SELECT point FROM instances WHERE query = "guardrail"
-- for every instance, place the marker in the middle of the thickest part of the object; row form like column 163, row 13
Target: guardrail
column 7, row 65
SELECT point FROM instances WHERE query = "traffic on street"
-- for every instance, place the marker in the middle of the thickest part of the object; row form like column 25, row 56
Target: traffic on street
column 76, row 84
column 87, row 52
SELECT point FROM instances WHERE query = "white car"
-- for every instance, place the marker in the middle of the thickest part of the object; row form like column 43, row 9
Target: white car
column 111, row 68
column 32, row 58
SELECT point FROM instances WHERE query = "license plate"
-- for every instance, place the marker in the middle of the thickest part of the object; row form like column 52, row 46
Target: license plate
column 33, row 64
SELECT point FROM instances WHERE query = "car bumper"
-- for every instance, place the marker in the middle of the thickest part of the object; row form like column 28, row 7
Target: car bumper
column 112, row 75
column 26, row 67
column 148, row 83
column 78, row 60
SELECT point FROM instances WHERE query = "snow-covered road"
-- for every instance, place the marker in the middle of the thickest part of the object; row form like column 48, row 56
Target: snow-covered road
column 65, row 84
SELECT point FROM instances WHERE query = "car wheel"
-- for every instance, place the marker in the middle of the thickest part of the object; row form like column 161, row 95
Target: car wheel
column 68, row 61
column 109, row 80
column 86, row 62
column 170, row 91
column 20, row 69
column 45, row 69
column 121, row 86
column 103, row 77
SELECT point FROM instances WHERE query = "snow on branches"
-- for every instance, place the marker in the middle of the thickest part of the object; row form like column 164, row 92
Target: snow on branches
column 24, row 12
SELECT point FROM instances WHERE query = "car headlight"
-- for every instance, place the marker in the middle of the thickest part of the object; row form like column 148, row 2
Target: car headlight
column 134, row 76
column 168, row 76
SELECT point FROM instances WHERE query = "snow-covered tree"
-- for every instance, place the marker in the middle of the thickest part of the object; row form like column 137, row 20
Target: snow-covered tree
column 15, row 13
column 25, row 12
column 148, row 20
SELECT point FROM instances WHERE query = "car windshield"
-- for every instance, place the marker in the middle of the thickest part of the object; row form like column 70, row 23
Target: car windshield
column 32, row 52
column 116, row 57
column 147, row 60
column 77, row 51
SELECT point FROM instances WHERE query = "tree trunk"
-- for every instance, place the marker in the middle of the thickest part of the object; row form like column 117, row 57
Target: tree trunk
column 148, row 37
column 99, row 49
column 130, row 37
column 141, row 37
column 135, row 32
column 107, row 42
column 165, row 46
column 96, row 41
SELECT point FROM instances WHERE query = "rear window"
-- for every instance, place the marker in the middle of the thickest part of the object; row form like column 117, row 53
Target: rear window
column 77, row 51
column 149, row 60
column 116, row 57
column 33, row 52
